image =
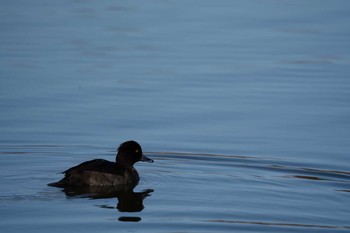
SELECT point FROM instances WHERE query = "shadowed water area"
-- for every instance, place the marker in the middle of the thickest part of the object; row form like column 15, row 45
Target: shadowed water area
column 243, row 105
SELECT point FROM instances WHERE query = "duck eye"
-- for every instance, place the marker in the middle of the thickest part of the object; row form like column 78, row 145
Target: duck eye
column 137, row 151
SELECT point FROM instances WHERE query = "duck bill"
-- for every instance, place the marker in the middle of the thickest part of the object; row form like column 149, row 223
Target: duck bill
column 146, row 159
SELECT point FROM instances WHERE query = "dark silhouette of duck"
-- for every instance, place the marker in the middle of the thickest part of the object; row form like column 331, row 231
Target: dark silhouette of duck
column 100, row 172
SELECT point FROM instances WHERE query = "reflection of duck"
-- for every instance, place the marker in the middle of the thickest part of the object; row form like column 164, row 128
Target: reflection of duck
column 100, row 172
column 128, row 200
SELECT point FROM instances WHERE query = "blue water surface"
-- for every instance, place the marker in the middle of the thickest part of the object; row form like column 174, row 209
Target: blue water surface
column 244, row 105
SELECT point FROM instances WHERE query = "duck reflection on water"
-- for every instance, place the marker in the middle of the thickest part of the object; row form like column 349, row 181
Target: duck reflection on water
column 128, row 200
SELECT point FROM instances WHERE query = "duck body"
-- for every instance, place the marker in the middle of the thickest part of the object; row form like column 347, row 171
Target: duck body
column 100, row 172
column 97, row 172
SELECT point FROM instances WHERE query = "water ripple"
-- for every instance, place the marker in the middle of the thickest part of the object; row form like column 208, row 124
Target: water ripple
column 280, row 224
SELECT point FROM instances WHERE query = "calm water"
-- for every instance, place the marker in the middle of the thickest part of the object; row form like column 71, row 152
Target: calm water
column 243, row 105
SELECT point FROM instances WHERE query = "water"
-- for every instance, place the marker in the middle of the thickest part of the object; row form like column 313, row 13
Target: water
column 243, row 105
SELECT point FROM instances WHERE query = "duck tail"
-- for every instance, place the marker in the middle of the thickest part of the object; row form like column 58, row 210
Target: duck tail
column 59, row 184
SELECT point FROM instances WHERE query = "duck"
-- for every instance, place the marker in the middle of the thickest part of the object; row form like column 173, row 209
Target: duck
column 100, row 172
